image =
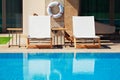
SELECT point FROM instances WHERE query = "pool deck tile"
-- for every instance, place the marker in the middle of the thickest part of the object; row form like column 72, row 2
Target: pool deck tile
column 112, row 46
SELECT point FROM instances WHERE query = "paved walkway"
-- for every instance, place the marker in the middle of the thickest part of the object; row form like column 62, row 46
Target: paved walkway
column 110, row 46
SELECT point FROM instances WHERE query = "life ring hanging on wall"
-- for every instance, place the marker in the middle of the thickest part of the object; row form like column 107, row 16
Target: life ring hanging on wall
column 52, row 4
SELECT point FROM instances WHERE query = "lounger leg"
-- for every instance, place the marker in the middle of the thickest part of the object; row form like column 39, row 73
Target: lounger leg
column 28, row 42
column 94, row 41
column 51, row 42
column 75, row 43
column 99, row 42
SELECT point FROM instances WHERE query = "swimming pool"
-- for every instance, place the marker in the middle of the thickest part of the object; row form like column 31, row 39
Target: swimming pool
column 59, row 66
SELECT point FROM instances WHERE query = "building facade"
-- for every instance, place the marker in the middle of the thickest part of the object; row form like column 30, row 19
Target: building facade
column 105, row 11
column 15, row 13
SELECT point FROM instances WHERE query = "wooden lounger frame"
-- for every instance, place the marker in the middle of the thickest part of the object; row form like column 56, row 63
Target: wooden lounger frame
column 39, row 45
column 95, row 44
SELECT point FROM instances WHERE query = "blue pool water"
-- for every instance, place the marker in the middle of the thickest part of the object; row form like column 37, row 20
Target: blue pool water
column 11, row 66
column 60, row 66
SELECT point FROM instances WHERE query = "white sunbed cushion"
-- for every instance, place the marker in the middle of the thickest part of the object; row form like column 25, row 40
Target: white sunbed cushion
column 84, row 26
column 39, row 27
column 88, row 37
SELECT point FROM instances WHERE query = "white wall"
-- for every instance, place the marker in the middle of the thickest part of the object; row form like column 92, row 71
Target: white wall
column 30, row 7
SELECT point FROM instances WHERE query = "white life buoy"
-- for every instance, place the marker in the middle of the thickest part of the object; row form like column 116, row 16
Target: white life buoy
column 52, row 4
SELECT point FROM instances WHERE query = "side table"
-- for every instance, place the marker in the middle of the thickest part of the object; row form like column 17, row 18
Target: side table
column 55, row 36
column 15, row 34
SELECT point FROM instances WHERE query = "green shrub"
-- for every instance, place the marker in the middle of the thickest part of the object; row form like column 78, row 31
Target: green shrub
column 4, row 40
